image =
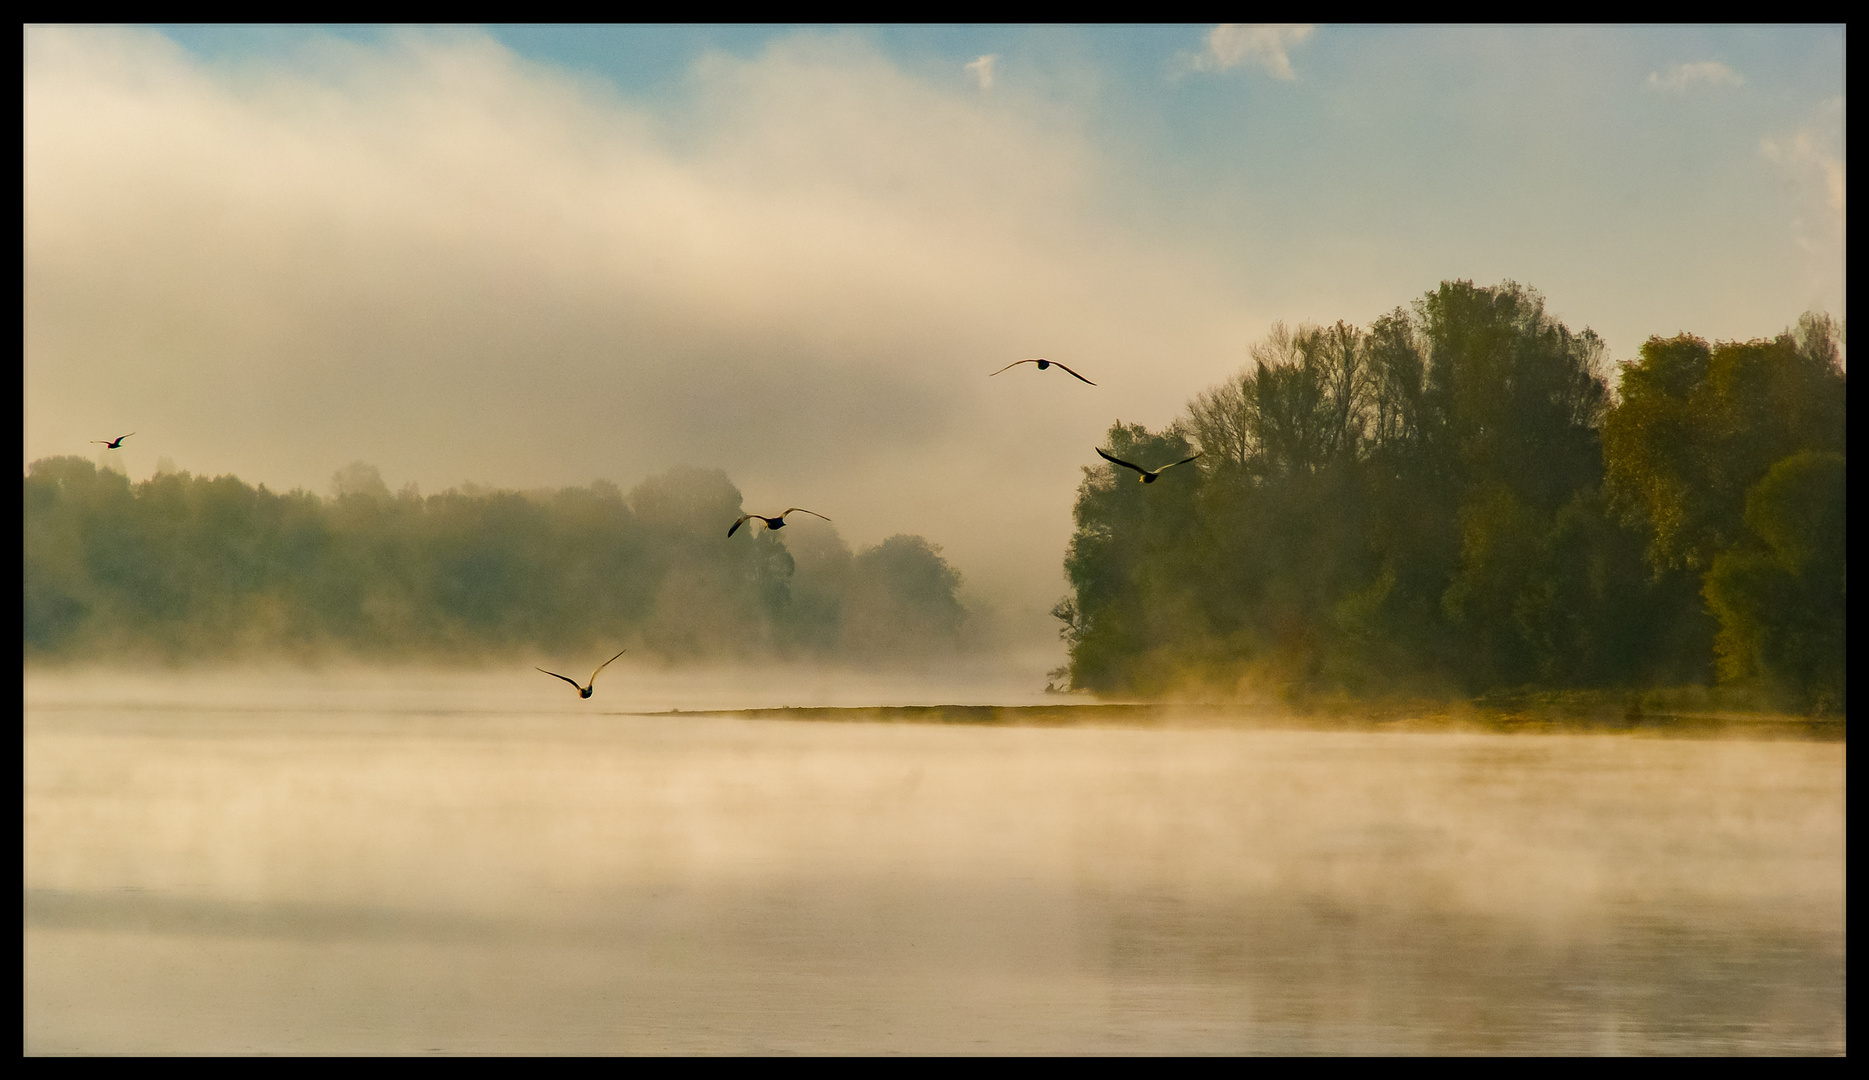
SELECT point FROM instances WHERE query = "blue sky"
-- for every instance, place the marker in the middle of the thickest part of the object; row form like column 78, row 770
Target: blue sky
column 1436, row 151
column 532, row 256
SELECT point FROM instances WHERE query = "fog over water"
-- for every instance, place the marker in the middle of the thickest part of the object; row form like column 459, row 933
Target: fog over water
column 406, row 863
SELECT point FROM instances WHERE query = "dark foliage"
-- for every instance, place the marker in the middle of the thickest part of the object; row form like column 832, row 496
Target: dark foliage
column 1452, row 498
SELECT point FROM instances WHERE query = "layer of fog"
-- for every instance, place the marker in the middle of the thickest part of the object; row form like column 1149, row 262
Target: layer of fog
column 513, row 686
column 245, row 866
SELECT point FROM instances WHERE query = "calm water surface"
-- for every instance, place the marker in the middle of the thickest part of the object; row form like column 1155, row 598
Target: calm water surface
column 408, row 863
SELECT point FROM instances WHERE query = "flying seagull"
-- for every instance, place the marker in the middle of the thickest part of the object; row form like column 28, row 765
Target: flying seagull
column 585, row 690
column 118, row 441
column 772, row 522
column 1042, row 365
column 1149, row 476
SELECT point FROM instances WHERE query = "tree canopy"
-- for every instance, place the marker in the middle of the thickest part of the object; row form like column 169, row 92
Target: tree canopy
column 1454, row 497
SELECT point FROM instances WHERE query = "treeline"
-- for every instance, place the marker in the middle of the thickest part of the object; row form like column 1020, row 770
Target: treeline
column 1453, row 498
column 183, row 566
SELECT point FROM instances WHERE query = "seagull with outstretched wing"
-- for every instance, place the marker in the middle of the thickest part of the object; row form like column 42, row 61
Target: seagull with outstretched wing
column 585, row 690
column 1148, row 476
column 1042, row 365
column 771, row 522
column 113, row 443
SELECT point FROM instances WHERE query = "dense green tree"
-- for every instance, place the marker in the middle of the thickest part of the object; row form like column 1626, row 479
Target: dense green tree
column 714, row 595
column 1697, row 426
column 821, row 579
column 67, row 503
column 1486, row 421
column 1698, row 429
column 1514, row 397
column 1131, row 609
column 901, row 600
column 1454, row 497
column 1781, row 599
column 1588, row 611
column 1304, row 403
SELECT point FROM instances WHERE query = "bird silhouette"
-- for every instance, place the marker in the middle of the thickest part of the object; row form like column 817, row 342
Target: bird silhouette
column 1149, row 476
column 585, row 690
column 1042, row 365
column 771, row 522
column 113, row 443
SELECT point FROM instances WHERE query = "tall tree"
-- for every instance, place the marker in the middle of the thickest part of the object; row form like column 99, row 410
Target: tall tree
column 1782, row 598
column 1697, row 426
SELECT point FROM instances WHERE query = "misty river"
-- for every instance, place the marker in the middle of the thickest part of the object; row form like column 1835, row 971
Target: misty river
column 419, row 862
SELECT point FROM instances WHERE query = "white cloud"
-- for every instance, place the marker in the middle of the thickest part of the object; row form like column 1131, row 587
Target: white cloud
column 1814, row 169
column 1816, row 151
column 1231, row 44
column 1685, row 77
column 982, row 70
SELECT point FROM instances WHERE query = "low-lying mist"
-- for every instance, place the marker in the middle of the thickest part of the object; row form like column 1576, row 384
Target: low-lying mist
column 468, row 862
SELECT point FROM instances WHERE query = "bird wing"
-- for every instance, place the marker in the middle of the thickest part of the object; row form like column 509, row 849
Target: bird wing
column 736, row 525
column 1075, row 375
column 1183, row 461
column 1120, row 461
column 1015, row 364
column 797, row 509
column 604, row 665
column 568, row 679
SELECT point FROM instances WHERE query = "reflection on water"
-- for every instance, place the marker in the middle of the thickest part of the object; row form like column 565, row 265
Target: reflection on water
column 343, row 864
